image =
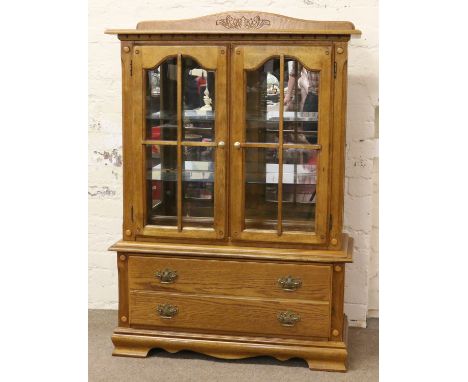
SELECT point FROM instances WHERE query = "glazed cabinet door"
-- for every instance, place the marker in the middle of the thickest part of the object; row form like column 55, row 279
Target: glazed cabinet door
column 281, row 111
column 179, row 135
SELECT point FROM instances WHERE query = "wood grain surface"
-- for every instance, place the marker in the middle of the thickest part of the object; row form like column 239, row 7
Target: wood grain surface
column 329, row 356
column 234, row 315
column 245, row 22
column 228, row 250
column 232, row 278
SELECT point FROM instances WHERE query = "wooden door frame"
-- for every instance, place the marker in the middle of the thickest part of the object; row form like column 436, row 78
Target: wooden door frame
column 145, row 57
column 249, row 57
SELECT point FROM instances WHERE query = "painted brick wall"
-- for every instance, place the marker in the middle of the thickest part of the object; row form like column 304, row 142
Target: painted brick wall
column 105, row 165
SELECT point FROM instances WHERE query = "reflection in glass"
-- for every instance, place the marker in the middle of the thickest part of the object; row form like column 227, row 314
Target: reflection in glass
column 198, row 102
column 198, row 187
column 299, row 189
column 198, row 107
column 263, row 92
column 198, row 129
column 261, row 188
column 300, row 103
column 161, row 101
column 300, row 114
column 300, row 127
column 161, row 185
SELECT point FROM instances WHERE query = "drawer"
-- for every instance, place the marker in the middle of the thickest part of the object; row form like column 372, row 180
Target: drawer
column 232, row 278
column 229, row 315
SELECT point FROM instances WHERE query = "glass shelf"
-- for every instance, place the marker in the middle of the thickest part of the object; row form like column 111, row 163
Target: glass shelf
column 195, row 171
column 288, row 116
column 186, row 127
column 187, row 115
column 301, row 174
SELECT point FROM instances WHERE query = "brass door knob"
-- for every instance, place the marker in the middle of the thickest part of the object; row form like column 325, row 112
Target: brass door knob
column 221, row 144
column 237, row 145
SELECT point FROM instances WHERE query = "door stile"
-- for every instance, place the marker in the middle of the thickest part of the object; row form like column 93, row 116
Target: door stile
column 324, row 132
column 220, row 201
column 237, row 160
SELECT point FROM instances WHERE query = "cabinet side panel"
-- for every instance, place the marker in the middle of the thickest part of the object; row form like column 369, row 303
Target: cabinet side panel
column 126, row 56
column 338, row 142
column 122, row 266
column 337, row 310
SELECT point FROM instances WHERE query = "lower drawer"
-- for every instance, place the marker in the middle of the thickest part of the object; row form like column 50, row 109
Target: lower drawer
column 227, row 314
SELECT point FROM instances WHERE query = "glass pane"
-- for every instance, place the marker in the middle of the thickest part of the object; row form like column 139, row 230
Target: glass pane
column 161, row 101
column 299, row 187
column 262, row 106
column 198, row 126
column 261, row 188
column 161, row 185
column 198, row 187
column 301, row 90
column 198, row 102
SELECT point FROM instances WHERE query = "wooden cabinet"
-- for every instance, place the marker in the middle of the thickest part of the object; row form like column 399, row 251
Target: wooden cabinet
column 233, row 156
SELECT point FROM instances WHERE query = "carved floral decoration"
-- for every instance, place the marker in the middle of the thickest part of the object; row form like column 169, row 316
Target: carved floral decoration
column 242, row 22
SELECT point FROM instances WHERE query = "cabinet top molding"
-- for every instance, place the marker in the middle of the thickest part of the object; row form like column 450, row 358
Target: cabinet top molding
column 241, row 22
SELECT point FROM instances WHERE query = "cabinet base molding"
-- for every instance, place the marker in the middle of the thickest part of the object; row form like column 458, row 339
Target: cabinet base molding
column 319, row 355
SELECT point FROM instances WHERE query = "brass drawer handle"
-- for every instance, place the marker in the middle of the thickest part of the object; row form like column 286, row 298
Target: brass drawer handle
column 289, row 283
column 167, row 311
column 166, row 276
column 288, row 318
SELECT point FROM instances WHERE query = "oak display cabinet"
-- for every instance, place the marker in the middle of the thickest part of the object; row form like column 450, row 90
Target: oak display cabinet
column 233, row 163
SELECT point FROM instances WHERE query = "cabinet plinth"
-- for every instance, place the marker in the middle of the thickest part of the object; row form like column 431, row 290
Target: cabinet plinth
column 233, row 172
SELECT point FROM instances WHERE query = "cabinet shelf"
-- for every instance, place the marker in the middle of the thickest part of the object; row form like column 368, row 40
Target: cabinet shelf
column 195, row 171
column 187, row 115
column 171, row 176
column 289, row 202
column 173, row 126
column 276, row 183
column 198, row 199
column 273, row 117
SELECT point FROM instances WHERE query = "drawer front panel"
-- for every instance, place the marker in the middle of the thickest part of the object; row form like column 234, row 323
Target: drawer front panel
column 221, row 314
column 232, row 278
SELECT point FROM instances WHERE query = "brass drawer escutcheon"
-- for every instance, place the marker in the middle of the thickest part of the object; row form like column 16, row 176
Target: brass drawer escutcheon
column 166, row 276
column 167, row 311
column 289, row 283
column 288, row 318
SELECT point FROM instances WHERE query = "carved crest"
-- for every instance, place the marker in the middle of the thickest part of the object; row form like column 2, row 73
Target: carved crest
column 242, row 22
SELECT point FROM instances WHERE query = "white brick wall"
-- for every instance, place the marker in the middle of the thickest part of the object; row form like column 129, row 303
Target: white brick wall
column 105, row 171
